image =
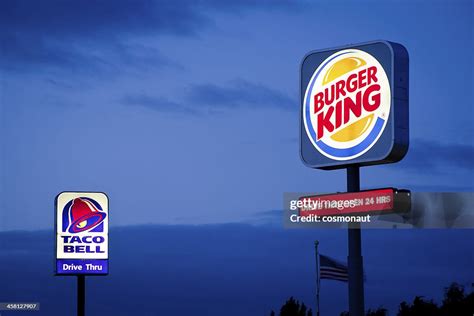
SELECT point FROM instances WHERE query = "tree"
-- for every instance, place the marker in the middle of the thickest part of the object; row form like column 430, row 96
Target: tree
column 302, row 310
column 378, row 312
column 290, row 308
column 470, row 302
column 293, row 308
column 419, row 307
column 456, row 302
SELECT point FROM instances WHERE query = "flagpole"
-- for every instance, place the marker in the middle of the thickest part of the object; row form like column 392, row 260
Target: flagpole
column 316, row 243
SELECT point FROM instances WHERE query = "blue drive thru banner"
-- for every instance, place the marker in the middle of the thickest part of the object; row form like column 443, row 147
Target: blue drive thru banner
column 82, row 233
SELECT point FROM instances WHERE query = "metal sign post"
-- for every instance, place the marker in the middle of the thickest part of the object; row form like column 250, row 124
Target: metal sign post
column 81, row 295
column 318, row 280
column 354, row 259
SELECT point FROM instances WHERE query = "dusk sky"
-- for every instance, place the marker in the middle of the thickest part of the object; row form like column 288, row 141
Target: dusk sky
column 187, row 113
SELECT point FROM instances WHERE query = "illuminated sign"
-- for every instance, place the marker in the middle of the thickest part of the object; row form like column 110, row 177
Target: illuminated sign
column 375, row 202
column 82, row 233
column 354, row 105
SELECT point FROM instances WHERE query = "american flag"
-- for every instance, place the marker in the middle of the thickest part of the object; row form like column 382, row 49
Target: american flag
column 331, row 269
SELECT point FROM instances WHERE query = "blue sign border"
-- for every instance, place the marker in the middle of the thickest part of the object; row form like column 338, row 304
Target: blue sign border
column 102, row 262
column 393, row 143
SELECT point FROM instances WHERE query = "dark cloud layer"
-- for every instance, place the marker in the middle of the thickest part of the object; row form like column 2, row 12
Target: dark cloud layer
column 240, row 94
column 157, row 104
column 49, row 33
column 426, row 155
column 94, row 18
column 205, row 98
column 239, row 269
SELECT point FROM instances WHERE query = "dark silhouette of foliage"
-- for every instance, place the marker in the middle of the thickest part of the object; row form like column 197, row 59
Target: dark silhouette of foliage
column 419, row 307
column 293, row 308
column 455, row 302
column 378, row 312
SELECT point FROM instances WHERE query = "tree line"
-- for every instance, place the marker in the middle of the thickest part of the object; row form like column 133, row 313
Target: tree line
column 456, row 302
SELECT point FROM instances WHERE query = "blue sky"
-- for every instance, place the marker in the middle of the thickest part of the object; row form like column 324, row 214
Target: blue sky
column 188, row 112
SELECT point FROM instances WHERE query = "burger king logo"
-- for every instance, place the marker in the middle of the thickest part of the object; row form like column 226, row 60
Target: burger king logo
column 347, row 104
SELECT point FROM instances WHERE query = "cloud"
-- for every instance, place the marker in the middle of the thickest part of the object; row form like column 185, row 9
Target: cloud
column 242, row 269
column 98, row 18
column 209, row 98
column 156, row 103
column 62, row 19
column 70, row 33
column 23, row 54
column 86, row 34
column 427, row 156
column 240, row 94
column 269, row 217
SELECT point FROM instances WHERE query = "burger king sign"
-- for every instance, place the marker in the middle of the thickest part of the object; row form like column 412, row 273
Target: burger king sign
column 354, row 105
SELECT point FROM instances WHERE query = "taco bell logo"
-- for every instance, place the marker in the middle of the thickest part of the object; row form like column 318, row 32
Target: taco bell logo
column 82, row 233
column 83, row 214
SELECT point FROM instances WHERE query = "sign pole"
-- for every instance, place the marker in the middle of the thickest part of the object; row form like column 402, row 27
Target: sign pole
column 81, row 295
column 82, row 217
column 318, row 280
column 354, row 259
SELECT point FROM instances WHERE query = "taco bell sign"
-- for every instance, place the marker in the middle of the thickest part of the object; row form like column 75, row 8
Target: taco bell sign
column 354, row 105
column 82, row 226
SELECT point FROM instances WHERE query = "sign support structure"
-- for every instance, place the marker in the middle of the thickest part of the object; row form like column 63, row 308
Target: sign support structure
column 318, row 279
column 354, row 258
column 82, row 242
column 81, row 295
column 354, row 113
